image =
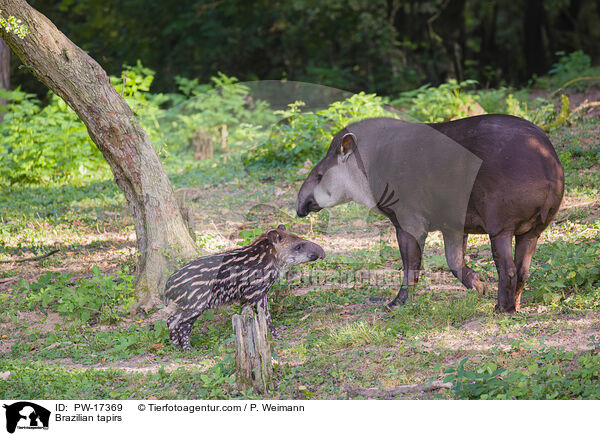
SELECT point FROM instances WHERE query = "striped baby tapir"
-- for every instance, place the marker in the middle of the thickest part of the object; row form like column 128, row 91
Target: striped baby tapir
column 243, row 275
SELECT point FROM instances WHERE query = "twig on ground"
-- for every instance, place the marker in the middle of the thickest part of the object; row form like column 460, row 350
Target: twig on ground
column 311, row 313
column 566, row 217
column 218, row 232
column 585, row 105
column 570, row 82
column 30, row 259
column 391, row 393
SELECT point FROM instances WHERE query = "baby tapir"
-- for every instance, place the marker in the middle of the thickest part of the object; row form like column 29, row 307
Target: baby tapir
column 243, row 275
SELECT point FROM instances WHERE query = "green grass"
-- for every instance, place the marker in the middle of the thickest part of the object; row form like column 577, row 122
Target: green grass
column 42, row 381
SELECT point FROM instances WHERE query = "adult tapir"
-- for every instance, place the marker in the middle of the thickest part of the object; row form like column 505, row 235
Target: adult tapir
column 494, row 174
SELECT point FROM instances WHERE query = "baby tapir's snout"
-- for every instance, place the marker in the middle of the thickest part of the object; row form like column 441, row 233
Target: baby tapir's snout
column 316, row 252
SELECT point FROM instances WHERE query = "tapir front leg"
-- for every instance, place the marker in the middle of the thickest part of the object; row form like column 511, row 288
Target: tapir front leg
column 264, row 304
column 455, row 244
column 411, row 252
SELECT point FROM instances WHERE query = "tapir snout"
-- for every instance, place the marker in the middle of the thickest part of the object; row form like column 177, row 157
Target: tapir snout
column 306, row 202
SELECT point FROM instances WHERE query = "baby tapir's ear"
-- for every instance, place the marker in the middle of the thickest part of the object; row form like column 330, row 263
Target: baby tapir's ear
column 273, row 237
column 281, row 227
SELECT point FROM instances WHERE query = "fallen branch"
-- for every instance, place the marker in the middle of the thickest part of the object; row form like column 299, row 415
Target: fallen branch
column 30, row 259
column 566, row 217
column 585, row 105
column 585, row 203
column 311, row 313
column 570, row 82
column 388, row 394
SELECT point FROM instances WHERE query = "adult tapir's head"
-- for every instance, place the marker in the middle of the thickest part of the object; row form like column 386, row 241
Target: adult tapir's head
column 338, row 178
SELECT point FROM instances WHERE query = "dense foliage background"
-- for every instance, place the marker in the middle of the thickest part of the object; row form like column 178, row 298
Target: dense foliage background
column 382, row 46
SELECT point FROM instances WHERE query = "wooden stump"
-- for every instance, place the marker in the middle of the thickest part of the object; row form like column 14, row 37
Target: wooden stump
column 224, row 135
column 202, row 145
column 253, row 367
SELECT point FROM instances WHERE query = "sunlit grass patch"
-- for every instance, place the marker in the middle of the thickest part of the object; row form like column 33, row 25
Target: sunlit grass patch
column 355, row 334
column 458, row 310
column 212, row 241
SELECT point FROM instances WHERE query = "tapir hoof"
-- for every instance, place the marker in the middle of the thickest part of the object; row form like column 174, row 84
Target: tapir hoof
column 276, row 334
column 376, row 300
column 481, row 286
column 399, row 300
column 506, row 311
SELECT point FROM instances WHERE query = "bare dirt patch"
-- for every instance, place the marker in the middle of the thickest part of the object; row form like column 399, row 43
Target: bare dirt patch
column 568, row 332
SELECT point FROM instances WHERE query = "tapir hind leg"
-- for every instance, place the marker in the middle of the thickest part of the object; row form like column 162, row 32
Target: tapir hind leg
column 411, row 252
column 455, row 245
column 524, row 249
column 507, row 272
column 180, row 327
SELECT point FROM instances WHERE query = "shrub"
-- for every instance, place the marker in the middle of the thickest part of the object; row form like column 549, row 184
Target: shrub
column 565, row 268
column 569, row 68
column 207, row 107
column 551, row 374
column 105, row 298
column 432, row 105
column 306, row 135
column 39, row 144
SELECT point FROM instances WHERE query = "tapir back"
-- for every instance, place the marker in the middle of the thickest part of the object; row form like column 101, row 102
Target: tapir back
column 519, row 175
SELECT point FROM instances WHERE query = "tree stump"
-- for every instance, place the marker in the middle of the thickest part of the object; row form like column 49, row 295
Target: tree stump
column 253, row 367
column 224, row 135
column 202, row 145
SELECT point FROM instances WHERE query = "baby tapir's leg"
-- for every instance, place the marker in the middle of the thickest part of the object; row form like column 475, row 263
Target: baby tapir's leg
column 180, row 326
column 263, row 303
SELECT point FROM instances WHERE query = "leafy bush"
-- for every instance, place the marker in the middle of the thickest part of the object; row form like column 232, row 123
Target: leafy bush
column 432, row 105
column 454, row 100
column 103, row 297
column 549, row 376
column 565, row 268
column 39, row 144
column 570, row 68
column 207, row 107
column 14, row 25
column 493, row 101
column 306, row 135
column 43, row 143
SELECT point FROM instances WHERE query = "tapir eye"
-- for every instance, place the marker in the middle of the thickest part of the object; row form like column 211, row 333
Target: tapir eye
column 298, row 247
column 319, row 178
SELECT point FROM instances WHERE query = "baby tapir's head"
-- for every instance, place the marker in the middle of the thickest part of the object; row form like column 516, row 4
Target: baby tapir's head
column 290, row 249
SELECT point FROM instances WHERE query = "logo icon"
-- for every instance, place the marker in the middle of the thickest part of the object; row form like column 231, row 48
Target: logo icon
column 26, row 415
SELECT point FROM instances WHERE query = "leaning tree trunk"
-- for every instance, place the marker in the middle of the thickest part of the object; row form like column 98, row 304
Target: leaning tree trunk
column 162, row 236
column 4, row 72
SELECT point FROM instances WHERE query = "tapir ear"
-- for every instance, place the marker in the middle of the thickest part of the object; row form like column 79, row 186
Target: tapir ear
column 281, row 227
column 348, row 145
column 273, row 236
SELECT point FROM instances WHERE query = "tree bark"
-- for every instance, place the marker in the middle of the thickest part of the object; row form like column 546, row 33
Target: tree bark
column 162, row 236
column 4, row 71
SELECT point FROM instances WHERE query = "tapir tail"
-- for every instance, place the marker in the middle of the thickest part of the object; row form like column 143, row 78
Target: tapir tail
column 548, row 212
